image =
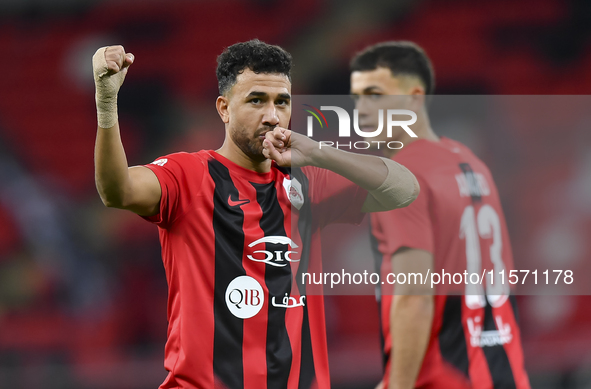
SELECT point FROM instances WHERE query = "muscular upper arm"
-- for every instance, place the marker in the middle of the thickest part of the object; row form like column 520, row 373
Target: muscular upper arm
column 144, row 192
column 408, row 260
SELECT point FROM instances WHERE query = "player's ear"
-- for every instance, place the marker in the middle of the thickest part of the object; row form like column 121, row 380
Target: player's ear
column 417, row 94
column 222, row 104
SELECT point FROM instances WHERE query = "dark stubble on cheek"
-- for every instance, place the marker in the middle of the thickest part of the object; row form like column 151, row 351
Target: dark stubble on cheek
column 250, row 145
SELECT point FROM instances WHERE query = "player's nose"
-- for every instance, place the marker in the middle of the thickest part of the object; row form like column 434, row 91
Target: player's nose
column 363, row 105
column 270, row 116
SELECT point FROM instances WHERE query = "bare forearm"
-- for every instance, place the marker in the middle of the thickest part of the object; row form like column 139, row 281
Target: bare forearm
column 390, row 184
column 110, row 167
column 411, row 318
column 367, row 171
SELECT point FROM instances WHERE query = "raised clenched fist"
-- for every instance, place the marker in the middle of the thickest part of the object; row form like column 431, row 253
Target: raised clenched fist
column 109, row 65
column 117, row 60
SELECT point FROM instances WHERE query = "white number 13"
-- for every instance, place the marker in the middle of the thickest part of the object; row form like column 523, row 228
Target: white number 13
column 488, row 224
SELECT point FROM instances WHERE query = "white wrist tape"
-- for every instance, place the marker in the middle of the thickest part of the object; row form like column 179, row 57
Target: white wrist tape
column 399, row 189
column 107, row 86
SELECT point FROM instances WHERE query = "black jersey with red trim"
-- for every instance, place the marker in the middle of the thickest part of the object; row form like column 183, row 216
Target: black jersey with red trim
column 475, row 339
column 233, row 241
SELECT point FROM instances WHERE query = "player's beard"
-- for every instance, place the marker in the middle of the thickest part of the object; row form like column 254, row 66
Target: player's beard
column 251, row 145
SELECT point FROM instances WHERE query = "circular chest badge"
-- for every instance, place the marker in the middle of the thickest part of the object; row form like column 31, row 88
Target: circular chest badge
column 244, row 297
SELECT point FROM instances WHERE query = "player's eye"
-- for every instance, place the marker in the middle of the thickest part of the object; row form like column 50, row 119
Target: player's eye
column 256, row 100
column 282, row 102
column 375, row 96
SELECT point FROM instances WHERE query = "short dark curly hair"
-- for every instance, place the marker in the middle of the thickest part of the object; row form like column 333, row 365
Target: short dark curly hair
column 255, row 55
column 401, row 57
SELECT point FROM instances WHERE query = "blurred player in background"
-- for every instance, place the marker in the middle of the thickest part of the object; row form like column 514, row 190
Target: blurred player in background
column 236, row 317
column 457, row 224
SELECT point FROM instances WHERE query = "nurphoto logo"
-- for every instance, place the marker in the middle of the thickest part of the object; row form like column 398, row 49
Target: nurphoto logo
column 402, row 118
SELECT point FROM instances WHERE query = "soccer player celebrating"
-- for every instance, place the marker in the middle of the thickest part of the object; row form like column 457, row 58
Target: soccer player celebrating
column 432, row 340
column 238, row 223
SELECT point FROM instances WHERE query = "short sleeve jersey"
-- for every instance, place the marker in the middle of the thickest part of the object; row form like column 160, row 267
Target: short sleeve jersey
column 233, row 241
column 457, row 217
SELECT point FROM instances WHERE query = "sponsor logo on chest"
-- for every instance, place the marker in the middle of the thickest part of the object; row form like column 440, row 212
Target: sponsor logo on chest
column 277, row 258
column 245, row 297
column 490, row 338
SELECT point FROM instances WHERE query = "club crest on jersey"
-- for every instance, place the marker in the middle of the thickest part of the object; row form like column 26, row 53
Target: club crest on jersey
column 244, row 297
column 278, row 258
column 293, row 188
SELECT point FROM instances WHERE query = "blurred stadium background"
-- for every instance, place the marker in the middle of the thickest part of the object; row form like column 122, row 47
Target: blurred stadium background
column 82, row 287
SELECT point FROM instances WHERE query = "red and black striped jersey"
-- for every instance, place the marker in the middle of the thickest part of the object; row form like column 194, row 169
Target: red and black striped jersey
column 475, row 340
column 233, row 242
